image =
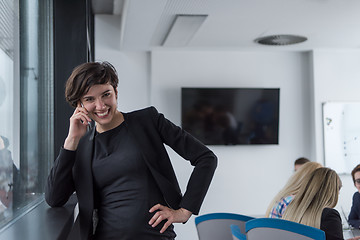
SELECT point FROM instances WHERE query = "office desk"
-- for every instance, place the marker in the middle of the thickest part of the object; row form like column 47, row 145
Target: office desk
column 42, row 223
column 350, row 233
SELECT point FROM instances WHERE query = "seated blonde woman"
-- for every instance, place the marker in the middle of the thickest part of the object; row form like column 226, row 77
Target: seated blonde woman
column 314, row 203
column 285, row 196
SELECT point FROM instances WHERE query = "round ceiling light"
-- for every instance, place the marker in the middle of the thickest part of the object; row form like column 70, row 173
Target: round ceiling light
column 280, row 40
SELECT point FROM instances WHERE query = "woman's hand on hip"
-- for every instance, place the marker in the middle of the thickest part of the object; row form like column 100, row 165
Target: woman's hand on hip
column 173, row 216
column 78, row 125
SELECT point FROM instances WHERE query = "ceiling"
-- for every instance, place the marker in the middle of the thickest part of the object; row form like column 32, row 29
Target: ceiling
column 235, row 24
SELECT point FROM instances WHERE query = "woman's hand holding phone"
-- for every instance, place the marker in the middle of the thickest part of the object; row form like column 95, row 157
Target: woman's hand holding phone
column 79, row 122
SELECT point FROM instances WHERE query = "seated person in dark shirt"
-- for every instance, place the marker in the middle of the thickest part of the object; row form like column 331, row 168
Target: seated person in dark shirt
column 300, row 162
column 354, row 216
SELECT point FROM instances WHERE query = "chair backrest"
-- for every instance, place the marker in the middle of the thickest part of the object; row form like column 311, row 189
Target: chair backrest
column 215, row 226
column 236, row 233
column 275, row 229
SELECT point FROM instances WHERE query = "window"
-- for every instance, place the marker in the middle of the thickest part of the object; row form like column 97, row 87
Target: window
column 26, row 100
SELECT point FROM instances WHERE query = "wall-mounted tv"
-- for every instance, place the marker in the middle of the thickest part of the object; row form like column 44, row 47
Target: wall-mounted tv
column 231, row 116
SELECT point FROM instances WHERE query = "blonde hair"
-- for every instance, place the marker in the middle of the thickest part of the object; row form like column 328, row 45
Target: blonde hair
column 321, row 190
column 293, row 184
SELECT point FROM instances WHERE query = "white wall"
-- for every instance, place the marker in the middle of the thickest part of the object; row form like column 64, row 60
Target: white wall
column 336, row 78
column 133, row 67
column 247, row 176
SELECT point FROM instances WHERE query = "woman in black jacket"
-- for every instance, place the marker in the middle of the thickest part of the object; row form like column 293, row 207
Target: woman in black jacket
column 119, row 168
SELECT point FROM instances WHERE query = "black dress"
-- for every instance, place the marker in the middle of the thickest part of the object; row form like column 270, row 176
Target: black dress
column 125, row 189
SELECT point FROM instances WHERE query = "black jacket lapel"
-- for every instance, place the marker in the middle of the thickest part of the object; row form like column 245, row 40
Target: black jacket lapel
column 170, row 191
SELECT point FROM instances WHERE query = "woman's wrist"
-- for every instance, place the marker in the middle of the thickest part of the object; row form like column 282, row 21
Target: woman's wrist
column 186, row 214
column 71, row 143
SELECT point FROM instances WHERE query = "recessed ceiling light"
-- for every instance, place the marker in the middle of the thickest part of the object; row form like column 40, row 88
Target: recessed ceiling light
column 280, row 40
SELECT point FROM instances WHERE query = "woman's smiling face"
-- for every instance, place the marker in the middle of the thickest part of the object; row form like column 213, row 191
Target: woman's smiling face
column 101, row 103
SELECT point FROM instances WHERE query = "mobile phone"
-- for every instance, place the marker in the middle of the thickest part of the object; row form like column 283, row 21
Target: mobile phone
column 89, row 123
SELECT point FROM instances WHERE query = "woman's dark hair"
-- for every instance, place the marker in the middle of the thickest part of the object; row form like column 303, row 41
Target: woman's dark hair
column 86, row 75
column 356, row 169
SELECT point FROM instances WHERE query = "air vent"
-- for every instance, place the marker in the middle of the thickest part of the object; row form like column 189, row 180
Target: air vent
column 280, row 40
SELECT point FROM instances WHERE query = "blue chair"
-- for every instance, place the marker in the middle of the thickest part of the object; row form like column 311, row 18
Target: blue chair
column 275, row 229
column 236, row 233
column 216, row 226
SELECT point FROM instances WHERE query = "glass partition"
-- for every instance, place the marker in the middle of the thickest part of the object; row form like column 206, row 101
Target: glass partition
column 26, row 102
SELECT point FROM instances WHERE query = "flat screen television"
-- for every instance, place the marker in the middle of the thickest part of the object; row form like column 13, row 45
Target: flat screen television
column 231, row 116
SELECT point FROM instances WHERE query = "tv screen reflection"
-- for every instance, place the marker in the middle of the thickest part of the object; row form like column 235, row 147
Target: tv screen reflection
column 231, row 116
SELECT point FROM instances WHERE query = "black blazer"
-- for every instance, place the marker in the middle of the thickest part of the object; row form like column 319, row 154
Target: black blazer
column 151, row 130
column 354, row 216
